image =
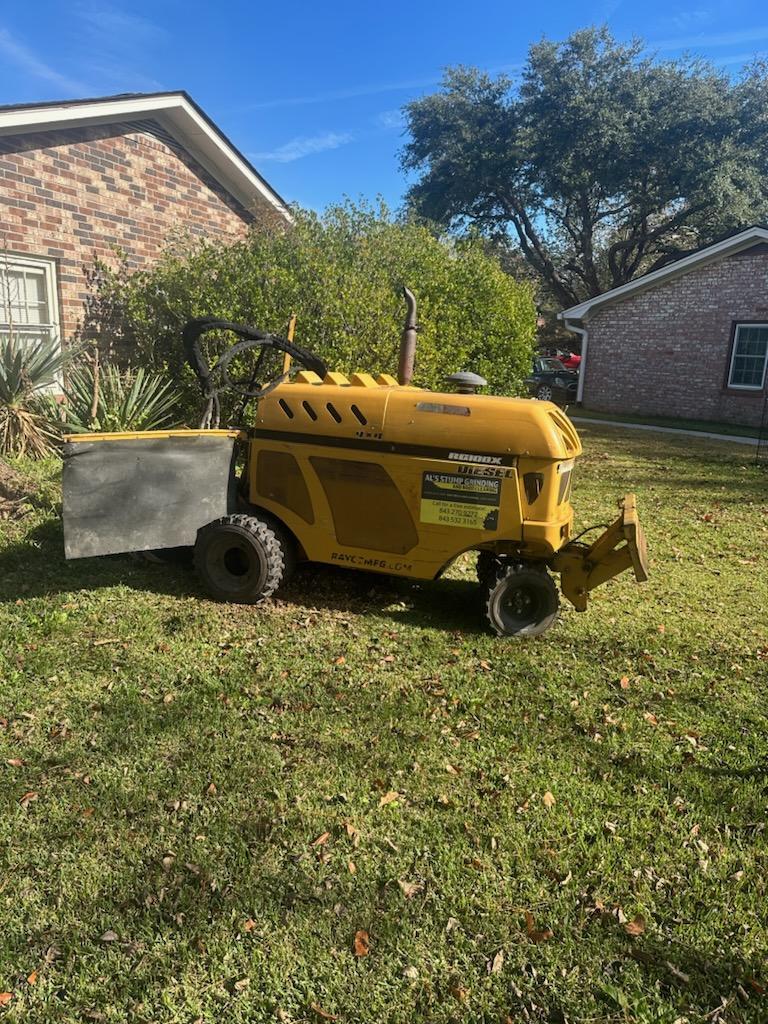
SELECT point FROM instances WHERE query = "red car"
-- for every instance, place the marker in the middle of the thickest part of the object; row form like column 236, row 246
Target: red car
column 570, row 360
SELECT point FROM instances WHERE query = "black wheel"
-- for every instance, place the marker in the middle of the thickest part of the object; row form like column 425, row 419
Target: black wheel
column 522, row 601
column 544, row 393
column 243, row 558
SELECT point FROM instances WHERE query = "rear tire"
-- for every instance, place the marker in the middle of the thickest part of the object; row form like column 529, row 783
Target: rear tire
column 545, row 393
column 243, row 558
column 522, row 601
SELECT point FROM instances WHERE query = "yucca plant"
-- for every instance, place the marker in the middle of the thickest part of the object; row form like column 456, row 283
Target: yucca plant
column 106, row 398
column 27, row 371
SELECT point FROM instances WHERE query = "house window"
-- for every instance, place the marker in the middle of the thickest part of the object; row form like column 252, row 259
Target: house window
column 28, row 306
column 750, row 357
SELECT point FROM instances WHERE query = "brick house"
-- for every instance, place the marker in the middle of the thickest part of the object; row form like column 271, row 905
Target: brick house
column 79, row 178
column 689, row 340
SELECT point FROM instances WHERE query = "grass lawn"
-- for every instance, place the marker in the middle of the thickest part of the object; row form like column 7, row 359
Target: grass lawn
column 201, row 805
column 707, row 426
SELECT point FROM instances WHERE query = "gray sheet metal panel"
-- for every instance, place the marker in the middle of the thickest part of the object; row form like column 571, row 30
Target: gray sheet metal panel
column 136, row 495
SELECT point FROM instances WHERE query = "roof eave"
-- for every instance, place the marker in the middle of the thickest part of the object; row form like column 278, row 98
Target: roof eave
column 179, row 114
column 718, row 250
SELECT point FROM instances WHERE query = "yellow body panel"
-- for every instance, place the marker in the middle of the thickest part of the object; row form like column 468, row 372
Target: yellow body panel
column 402, row 481
column 139, row 435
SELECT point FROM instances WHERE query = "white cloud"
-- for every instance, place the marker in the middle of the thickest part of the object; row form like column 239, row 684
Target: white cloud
column 116, row 44
column 714, row 40
column 391, row 119
column 346, row 94
column 120, row 26
column 304, row 145
column 685, row 21
column 376, row 89
column 30, row 63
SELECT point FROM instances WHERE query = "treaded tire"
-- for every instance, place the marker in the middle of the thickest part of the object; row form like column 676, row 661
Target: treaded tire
column 243, row 558
column 522, row 601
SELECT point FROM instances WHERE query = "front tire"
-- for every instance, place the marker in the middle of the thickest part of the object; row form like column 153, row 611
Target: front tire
column 242, row 558
column 544, row 393
column 522, row 601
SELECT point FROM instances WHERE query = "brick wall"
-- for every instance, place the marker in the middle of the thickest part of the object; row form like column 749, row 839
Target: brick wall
column 76, row 193
column 666, row 351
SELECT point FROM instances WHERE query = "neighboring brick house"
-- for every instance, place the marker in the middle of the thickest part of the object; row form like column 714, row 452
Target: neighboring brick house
column 80, row 179
column 689, row 340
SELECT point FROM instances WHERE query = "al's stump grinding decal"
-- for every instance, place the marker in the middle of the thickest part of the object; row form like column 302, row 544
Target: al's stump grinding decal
column 452, row 500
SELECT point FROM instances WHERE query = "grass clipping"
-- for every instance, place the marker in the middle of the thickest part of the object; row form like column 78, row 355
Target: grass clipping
column 15, row 492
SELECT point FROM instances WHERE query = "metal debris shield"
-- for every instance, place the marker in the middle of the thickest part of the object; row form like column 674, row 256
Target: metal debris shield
column 143, row 491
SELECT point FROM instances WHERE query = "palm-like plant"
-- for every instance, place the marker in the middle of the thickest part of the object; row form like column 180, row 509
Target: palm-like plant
column 109, row 399
column 27, row 371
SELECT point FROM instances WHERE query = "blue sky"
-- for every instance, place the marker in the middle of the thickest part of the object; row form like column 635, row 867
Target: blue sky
column 312, row 92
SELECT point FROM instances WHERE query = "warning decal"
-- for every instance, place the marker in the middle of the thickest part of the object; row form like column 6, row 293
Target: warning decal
column 451, row 499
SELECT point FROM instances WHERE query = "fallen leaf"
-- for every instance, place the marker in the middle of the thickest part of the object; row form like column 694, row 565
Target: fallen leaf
column 5, row 998
column 624, row 682
column 635, row 926
column 458, row 991
column 169, row 698
column 662, row 629
column 548, row 799
column 389, row 658
column 410, row 889
column 452, row 769
column 533, row 933
column 323, row 1013
column 87, row 812
column 212, row 791
column 496, row 964
column 28, row 798
column 352, row 867
column 411, row 973
column 242, row 984
column 321, row 839
column 109, row 936
column 389, row 798
column 341, row 660
column 32, row 978
column 484, row 665
column 452, row 923
column 362, row 943
column 650, row 718
column 14, row 762
column 249, row 925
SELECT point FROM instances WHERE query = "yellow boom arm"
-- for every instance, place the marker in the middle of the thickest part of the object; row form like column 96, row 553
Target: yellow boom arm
column 583, row 567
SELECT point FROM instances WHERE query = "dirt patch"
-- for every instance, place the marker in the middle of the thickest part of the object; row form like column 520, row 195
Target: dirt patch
column 15, row 491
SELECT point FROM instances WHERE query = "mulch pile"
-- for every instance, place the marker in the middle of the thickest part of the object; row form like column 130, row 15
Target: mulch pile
column 15, row 492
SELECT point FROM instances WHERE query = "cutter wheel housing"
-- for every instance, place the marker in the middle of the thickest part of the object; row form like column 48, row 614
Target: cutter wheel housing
column 355, row 471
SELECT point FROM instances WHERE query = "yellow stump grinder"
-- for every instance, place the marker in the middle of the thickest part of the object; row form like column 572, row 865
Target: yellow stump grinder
column 356, row 471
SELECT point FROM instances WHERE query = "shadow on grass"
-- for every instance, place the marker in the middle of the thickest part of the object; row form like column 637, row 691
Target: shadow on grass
column 36, row 567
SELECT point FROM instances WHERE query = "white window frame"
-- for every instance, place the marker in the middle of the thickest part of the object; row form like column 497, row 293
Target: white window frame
column 746, row 387
column 24, row 260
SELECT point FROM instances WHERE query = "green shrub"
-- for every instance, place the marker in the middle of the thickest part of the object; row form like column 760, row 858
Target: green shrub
column 125, row 400
column 341, row 273
column 27, row 370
